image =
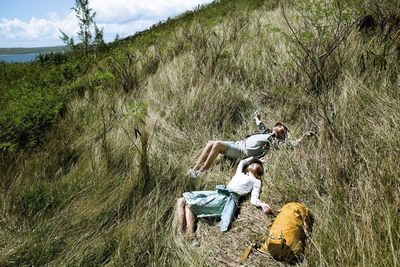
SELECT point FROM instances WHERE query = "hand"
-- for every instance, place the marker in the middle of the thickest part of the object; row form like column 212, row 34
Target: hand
column 266, row 208
column 257, row 115
column 310, row 134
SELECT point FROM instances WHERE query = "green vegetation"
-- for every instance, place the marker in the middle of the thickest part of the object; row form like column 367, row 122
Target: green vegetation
column 32, row 97
column 94, row 151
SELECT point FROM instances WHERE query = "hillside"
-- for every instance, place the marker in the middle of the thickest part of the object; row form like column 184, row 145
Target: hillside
column 95, row 150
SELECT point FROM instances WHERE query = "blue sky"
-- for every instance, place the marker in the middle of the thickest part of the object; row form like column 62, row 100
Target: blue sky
column 29, row 23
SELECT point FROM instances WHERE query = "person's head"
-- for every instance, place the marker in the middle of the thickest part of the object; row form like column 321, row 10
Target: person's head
column 280, row 130
column 256, row 167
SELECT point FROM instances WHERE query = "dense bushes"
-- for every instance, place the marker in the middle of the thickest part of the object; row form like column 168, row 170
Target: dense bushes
column 32, row 97
column 27, row 114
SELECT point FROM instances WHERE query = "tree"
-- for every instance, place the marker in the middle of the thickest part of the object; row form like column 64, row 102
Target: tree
column 117, row 38
column 85, row 16
column 67, row 40
column 86, row 22
column 98, row 38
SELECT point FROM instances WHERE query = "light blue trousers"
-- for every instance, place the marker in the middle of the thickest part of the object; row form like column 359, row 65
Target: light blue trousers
column 229, row 209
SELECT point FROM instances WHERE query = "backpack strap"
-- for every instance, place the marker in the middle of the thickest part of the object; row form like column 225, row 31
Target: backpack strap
column 247, row 252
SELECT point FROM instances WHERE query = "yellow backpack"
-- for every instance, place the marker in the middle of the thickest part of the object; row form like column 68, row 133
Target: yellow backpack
column 286, row 239
column 287, row 236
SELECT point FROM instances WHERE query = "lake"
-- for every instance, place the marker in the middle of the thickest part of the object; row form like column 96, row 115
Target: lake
column 14, row 58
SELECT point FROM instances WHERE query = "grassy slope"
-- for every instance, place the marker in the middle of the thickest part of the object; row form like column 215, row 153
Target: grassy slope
column 95, row 194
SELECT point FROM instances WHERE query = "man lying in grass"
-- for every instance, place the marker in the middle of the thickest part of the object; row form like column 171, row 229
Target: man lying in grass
column 256, row 145
column 223, row 201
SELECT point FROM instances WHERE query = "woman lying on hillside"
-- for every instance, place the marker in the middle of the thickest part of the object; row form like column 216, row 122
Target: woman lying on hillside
column 223, row 201
column 256, row 145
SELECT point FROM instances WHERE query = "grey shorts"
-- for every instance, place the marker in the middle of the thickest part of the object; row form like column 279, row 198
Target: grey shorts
column 234, row 150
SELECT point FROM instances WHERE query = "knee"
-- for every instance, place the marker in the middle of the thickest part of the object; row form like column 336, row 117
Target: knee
column 210, row 143
column 181, row 203
column 219, row 145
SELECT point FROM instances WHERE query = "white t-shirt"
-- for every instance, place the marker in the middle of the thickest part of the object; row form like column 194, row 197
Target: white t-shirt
column 244, row 183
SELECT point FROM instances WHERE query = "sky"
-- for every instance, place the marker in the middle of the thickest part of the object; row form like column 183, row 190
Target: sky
column 35, row 23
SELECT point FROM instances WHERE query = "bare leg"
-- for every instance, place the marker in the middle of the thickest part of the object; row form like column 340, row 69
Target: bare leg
column 190, row 221
column 218, row 147
column 204, row 154
column 180, row 205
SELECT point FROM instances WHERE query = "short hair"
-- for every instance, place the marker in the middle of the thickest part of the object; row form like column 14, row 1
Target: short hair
column 286, row 129
column 284, row 126
column 257, row 161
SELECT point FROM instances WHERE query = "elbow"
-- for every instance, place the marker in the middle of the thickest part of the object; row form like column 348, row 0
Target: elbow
column 245, row 161
column 255, row 202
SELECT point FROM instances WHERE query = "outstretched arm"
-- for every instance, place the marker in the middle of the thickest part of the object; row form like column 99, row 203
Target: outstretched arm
column 257, row 118
column 261, row 128
column 255, row 194
column 305, row 136
column 239, row 168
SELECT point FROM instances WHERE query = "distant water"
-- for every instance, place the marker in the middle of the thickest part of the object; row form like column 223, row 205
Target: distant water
column 14, row 58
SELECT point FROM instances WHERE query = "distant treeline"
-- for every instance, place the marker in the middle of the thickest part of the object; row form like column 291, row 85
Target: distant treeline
column 24, row 50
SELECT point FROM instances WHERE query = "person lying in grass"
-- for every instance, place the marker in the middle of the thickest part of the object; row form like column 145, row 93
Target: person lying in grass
column 256, row 145
column 223, row 201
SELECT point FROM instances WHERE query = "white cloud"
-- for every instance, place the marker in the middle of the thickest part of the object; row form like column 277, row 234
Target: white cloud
column 122, row 10
column 125, row 29
column 121, row 17
column 36, row 29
